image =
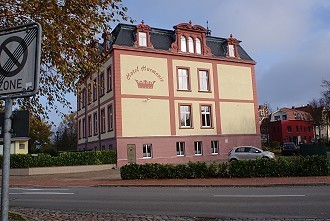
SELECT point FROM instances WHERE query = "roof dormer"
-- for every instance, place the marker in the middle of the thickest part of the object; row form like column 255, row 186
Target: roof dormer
column 190, row 39
column 232, row 47
column 143, row 36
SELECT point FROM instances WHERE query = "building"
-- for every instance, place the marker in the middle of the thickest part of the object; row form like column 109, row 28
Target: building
column 169, row 96
column 321, row 121
column 291, row 125
column 19, row 134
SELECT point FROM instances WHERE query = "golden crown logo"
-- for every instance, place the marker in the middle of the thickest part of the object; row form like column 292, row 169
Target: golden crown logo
column 145, row 84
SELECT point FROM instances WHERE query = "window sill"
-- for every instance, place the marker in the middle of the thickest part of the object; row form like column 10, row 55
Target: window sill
column 205, row 91
column 186, row 127
column 215, row 154
column 207, row 127
column 182, row 90
column 180, row 155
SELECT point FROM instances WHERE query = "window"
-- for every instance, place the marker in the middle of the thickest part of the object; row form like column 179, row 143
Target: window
column 190, row 45
column 206, row 116
column 147, row 150
column 143, row 39
column 79, row 101
column 21, row 146
column 89, row 93
column 90, row 125
column 83, row 97
column 198, row 147
column 102, row 84
column 83, row 127
column 95, row 123
column 297, row 128
column 180, row 148
column 289, row 129
column 277, row 118
column 110, row 118
column 215, row 146
column 109, row 76
column 183, row 44
column 185, row 116
column 183, row 79
column 79, row 129
column 231, row 51
column 94, row 90
column 284, row 117
column 198, row 46
column 203, row 77
column 102, row 121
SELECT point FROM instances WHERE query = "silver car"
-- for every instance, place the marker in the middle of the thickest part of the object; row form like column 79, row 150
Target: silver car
column 249, row 153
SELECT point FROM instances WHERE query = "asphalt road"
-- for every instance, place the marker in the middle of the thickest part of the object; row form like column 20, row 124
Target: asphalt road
column 247, row 202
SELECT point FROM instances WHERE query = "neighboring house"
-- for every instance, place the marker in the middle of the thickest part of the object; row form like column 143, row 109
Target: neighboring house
column 291, row 125
column 321, row 121
column 18, row 145
column 169, row 96
column 20, row 131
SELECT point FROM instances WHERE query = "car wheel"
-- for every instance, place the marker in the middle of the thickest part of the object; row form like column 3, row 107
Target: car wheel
column 266, row 158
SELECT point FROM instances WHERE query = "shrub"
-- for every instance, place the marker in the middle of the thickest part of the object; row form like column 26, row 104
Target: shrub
column 64, row 159
column 282, row 167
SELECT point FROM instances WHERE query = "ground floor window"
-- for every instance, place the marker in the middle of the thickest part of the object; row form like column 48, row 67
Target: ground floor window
column 147, row 150
column 180, row 148
column 198, row 147
column 215, row 146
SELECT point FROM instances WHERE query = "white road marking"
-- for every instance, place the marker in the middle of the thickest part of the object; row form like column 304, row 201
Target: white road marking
column 40, row 189
column 41, row 193
column 258, row 196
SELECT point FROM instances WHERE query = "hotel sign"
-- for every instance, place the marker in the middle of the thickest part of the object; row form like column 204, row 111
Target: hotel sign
column 144, row 83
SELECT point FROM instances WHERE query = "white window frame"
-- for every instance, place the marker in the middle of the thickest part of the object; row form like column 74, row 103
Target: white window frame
column 183, row 79
column 147, row 150
column 103, row 121
column 183, row 43
column 143, row 39
column 90, row 126
column 206, row 112
column 204, row 80
column 110, row 116
column 198, row 148
column 231, row 50
column 185, row 116
column 180, row 148
column 215, row 149
column 191, row 45
column 198, row 46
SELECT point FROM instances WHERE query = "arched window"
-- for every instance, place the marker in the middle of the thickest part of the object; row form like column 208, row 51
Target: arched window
column 198, row 46
column 190, row 45
column 183, row 44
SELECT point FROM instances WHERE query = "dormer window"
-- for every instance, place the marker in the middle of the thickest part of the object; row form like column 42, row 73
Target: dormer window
column 232, row 47
column 198, row 46
column 143, row 39
column 231, row 50
column 190, row 38
column 143, row 36
column 183, row 44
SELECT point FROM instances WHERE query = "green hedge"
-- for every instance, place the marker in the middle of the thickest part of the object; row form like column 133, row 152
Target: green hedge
column 64, row 159
column 282, row 167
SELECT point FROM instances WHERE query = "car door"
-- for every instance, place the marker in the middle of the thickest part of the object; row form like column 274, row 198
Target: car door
column 255, row 153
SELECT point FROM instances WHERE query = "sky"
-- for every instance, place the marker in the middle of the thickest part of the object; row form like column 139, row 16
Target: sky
column 288, row 39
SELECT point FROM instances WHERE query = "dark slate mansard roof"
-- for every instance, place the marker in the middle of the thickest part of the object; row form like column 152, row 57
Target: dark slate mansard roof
column 161, row 39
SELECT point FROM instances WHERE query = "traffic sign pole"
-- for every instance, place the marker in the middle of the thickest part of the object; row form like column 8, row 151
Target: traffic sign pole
column 6, row 160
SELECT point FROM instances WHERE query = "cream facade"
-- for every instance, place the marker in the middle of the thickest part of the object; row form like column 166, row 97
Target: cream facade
column 169, row 101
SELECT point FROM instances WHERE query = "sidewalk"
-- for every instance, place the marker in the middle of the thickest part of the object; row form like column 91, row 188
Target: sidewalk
column 112, row 178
